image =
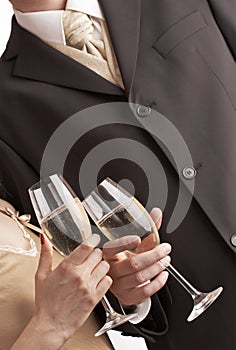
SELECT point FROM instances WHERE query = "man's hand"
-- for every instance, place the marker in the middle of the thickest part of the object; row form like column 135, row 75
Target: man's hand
column 136, row 276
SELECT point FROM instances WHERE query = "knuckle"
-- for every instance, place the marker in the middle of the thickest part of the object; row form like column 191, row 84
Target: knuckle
column 39, row 277
column 156, row 251
column 80, row 277
column 85, row 248
column 139, row 277
column 160, row 282
column 105, row 265
column 64, row 266
column 107, row 282
column 84, row 290
column 146, row 291
column 133, row 263
column 91, row 301
column 98, row 252
column 157, row 256
column 164, row 262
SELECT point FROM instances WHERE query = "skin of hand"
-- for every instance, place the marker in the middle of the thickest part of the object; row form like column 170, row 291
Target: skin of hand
column 38, row 5
column 137, row 276
column 65, row 297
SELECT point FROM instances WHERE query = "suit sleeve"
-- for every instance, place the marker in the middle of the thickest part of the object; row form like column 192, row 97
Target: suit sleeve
column 156, row 322
column 16, row 175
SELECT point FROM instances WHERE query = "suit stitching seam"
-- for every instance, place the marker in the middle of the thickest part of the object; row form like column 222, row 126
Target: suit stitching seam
column 216, row 76
column 18, row 154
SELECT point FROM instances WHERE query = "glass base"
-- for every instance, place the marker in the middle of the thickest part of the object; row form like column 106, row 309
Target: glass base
column 202, row 301
column 114, row 321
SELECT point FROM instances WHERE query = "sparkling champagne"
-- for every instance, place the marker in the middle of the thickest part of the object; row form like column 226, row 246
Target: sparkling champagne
column 66, row 227
column 130, row 219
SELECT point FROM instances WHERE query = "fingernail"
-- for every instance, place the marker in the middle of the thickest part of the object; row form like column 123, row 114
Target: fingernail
column 166, row 247
column 93, row 240
column 42, row 238
column 156, row 214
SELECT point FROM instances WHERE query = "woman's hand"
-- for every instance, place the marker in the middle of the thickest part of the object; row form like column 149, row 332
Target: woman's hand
column 65, row 297
column 137, row 276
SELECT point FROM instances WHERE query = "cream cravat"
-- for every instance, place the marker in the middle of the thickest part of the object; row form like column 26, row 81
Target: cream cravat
column 97, row 55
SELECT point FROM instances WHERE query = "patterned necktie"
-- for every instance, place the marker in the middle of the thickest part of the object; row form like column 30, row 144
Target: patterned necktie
column 97, row 55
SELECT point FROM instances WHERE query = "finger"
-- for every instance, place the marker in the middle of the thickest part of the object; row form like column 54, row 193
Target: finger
column 80, row 254
column 45, row 260
column 140, row 261
column 103, row 286
column 91, row 262
column 111, row 248
column 139, row 294
column 99, row 272
column 143, row 276
column 156, row 215
column 149, row 242
column 155, row 285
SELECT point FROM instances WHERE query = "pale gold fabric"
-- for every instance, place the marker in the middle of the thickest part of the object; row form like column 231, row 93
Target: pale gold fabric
column 17, row 293
column 97, row 55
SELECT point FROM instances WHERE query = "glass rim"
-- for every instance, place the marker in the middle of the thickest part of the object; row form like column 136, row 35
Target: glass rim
column 41, row 180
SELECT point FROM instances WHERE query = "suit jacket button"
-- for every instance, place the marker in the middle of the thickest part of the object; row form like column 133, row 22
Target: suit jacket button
column 189, row 173
column 143, row 111
column 233, row 239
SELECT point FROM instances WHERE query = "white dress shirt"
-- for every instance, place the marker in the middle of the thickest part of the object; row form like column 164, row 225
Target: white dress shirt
column 47, row 25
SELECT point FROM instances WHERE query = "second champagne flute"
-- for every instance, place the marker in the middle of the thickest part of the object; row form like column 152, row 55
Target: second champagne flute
column 117, row 213
column 65, row 222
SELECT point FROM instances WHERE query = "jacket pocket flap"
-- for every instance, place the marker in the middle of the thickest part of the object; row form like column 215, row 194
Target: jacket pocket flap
column 179, row 32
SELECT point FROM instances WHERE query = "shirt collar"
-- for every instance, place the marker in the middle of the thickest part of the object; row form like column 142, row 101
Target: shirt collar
column 90, row 7
column 47, row 25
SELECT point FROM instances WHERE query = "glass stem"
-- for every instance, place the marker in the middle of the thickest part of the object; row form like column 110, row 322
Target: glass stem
column 107, row 306
column 172, row 270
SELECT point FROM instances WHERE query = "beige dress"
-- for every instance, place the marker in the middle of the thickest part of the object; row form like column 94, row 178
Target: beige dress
column 17, row 270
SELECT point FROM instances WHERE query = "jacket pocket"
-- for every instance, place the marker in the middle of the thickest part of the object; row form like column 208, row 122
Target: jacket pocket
column 179, row 32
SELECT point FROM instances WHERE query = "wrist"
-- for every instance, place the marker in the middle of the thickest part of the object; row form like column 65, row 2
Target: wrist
column 40, row 334
column 47, row 329
column 141, row 310
column 128, row 309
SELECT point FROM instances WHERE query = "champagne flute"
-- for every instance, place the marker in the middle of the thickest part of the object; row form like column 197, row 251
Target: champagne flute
column 65, row 222
column 117, row 213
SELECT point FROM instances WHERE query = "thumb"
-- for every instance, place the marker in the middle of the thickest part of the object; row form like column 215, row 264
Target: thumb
column 45, row 260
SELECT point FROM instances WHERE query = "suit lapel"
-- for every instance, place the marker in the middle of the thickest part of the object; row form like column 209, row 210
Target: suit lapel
column 222, row 11
column 38, row 61
column 123, row 20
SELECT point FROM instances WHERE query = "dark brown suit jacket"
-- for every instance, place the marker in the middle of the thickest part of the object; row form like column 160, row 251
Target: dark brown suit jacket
column 178, row 57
